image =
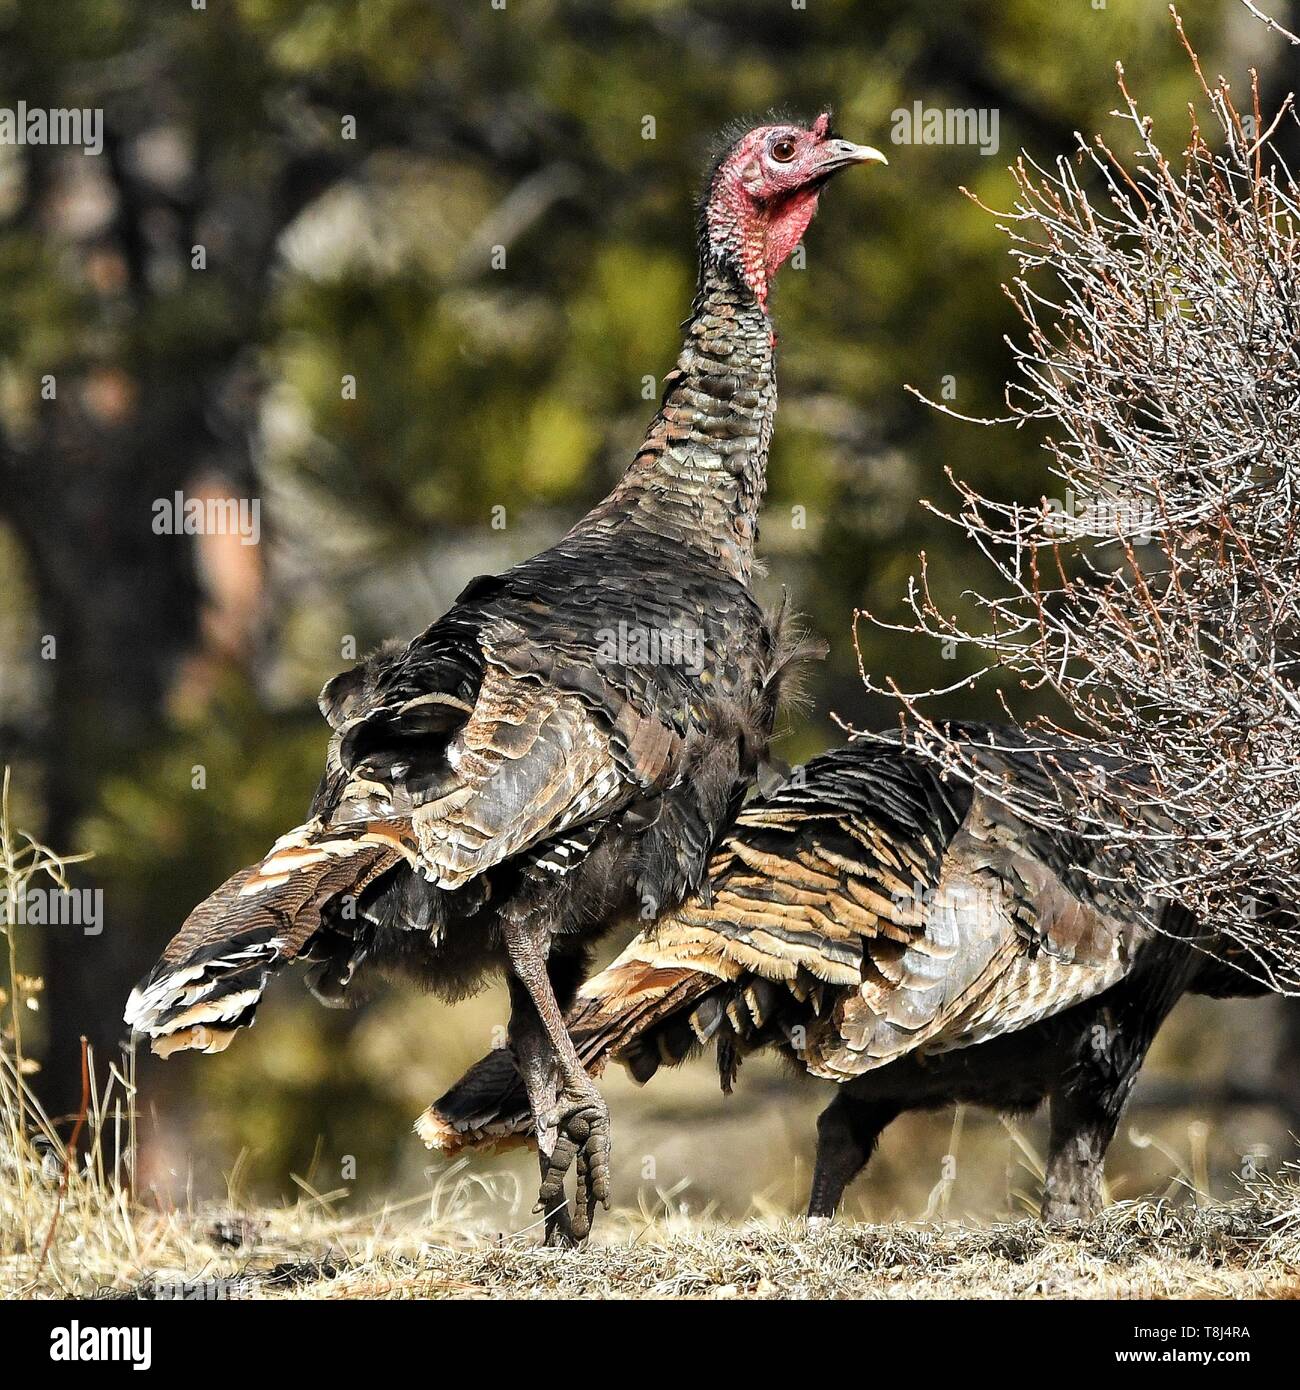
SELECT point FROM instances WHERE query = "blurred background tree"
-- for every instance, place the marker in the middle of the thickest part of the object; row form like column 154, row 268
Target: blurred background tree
column 480, row 215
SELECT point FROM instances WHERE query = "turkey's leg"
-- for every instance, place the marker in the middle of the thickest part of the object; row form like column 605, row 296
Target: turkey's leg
column 535, row 1062
column 1086, row 1103
column 580, row 1118
column 1088, row 1098
column 1082, row 1127
column 847, row 1131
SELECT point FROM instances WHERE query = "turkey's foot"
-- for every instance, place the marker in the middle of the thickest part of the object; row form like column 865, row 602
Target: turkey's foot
column 1072, row 1195
column 581, row 1123
column 559, row 1223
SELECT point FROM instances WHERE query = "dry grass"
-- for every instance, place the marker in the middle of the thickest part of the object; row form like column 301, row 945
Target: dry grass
column 71, row 1228
column 1132, row 1251
column 72, row 1224
column 1244, row 1249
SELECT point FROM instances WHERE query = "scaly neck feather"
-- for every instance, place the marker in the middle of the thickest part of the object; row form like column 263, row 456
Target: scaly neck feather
column 699, row 478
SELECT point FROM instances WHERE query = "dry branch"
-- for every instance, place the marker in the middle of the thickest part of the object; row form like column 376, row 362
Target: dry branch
column 1158, row 595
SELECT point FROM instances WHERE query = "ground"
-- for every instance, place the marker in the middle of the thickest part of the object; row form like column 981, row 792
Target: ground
column 1244, row 1249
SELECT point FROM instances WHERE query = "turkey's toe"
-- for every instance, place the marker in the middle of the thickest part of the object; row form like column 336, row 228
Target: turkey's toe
column 582, row 1142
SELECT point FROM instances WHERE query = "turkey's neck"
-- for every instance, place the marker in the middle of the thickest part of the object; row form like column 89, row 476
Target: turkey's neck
column 699, row 477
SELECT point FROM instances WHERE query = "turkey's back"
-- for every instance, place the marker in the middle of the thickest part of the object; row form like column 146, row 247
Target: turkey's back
column 871, row 909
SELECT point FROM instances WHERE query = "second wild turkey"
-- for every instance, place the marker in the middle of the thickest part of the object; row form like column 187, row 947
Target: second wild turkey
column 517, row 778
column 908, row 938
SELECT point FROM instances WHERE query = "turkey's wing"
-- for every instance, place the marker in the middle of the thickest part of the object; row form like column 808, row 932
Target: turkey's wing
column 528, row 764
column 481, row 763
column 1005, row 943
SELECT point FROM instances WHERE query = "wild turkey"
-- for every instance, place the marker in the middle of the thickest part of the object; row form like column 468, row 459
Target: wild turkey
column 907, row 938
column 564, row 746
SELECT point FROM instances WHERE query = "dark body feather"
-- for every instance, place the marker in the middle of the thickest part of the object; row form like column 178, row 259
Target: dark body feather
column 562, row 748
column 909, row 939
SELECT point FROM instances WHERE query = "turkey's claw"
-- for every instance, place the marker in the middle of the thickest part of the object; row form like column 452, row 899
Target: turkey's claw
column 559, row 1228
column 581, row 1124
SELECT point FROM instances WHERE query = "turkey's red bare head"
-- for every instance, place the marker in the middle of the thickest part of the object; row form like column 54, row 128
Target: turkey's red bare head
column 763, row 194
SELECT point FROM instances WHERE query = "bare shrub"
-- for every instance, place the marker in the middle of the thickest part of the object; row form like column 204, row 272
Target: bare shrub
column 1158, row 599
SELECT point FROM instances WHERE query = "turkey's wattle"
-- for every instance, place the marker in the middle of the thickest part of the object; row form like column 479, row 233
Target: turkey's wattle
column 763, row 194
column 504, row 787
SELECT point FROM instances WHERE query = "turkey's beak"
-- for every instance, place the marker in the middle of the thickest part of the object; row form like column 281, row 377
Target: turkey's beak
column 839, row 154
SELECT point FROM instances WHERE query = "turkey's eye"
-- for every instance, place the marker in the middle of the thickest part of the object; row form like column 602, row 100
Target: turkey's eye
column 783, row 151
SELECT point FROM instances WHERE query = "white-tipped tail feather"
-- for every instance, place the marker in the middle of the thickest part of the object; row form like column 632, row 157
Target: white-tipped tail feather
column 212, row 975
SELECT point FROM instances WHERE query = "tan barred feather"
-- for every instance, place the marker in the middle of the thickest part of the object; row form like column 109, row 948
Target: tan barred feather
column 851, row 922
column 212, row 974
column 528, row 763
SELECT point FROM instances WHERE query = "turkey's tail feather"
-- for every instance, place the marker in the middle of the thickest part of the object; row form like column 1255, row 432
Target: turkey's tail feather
column 641, row 1010
column 212, row 974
